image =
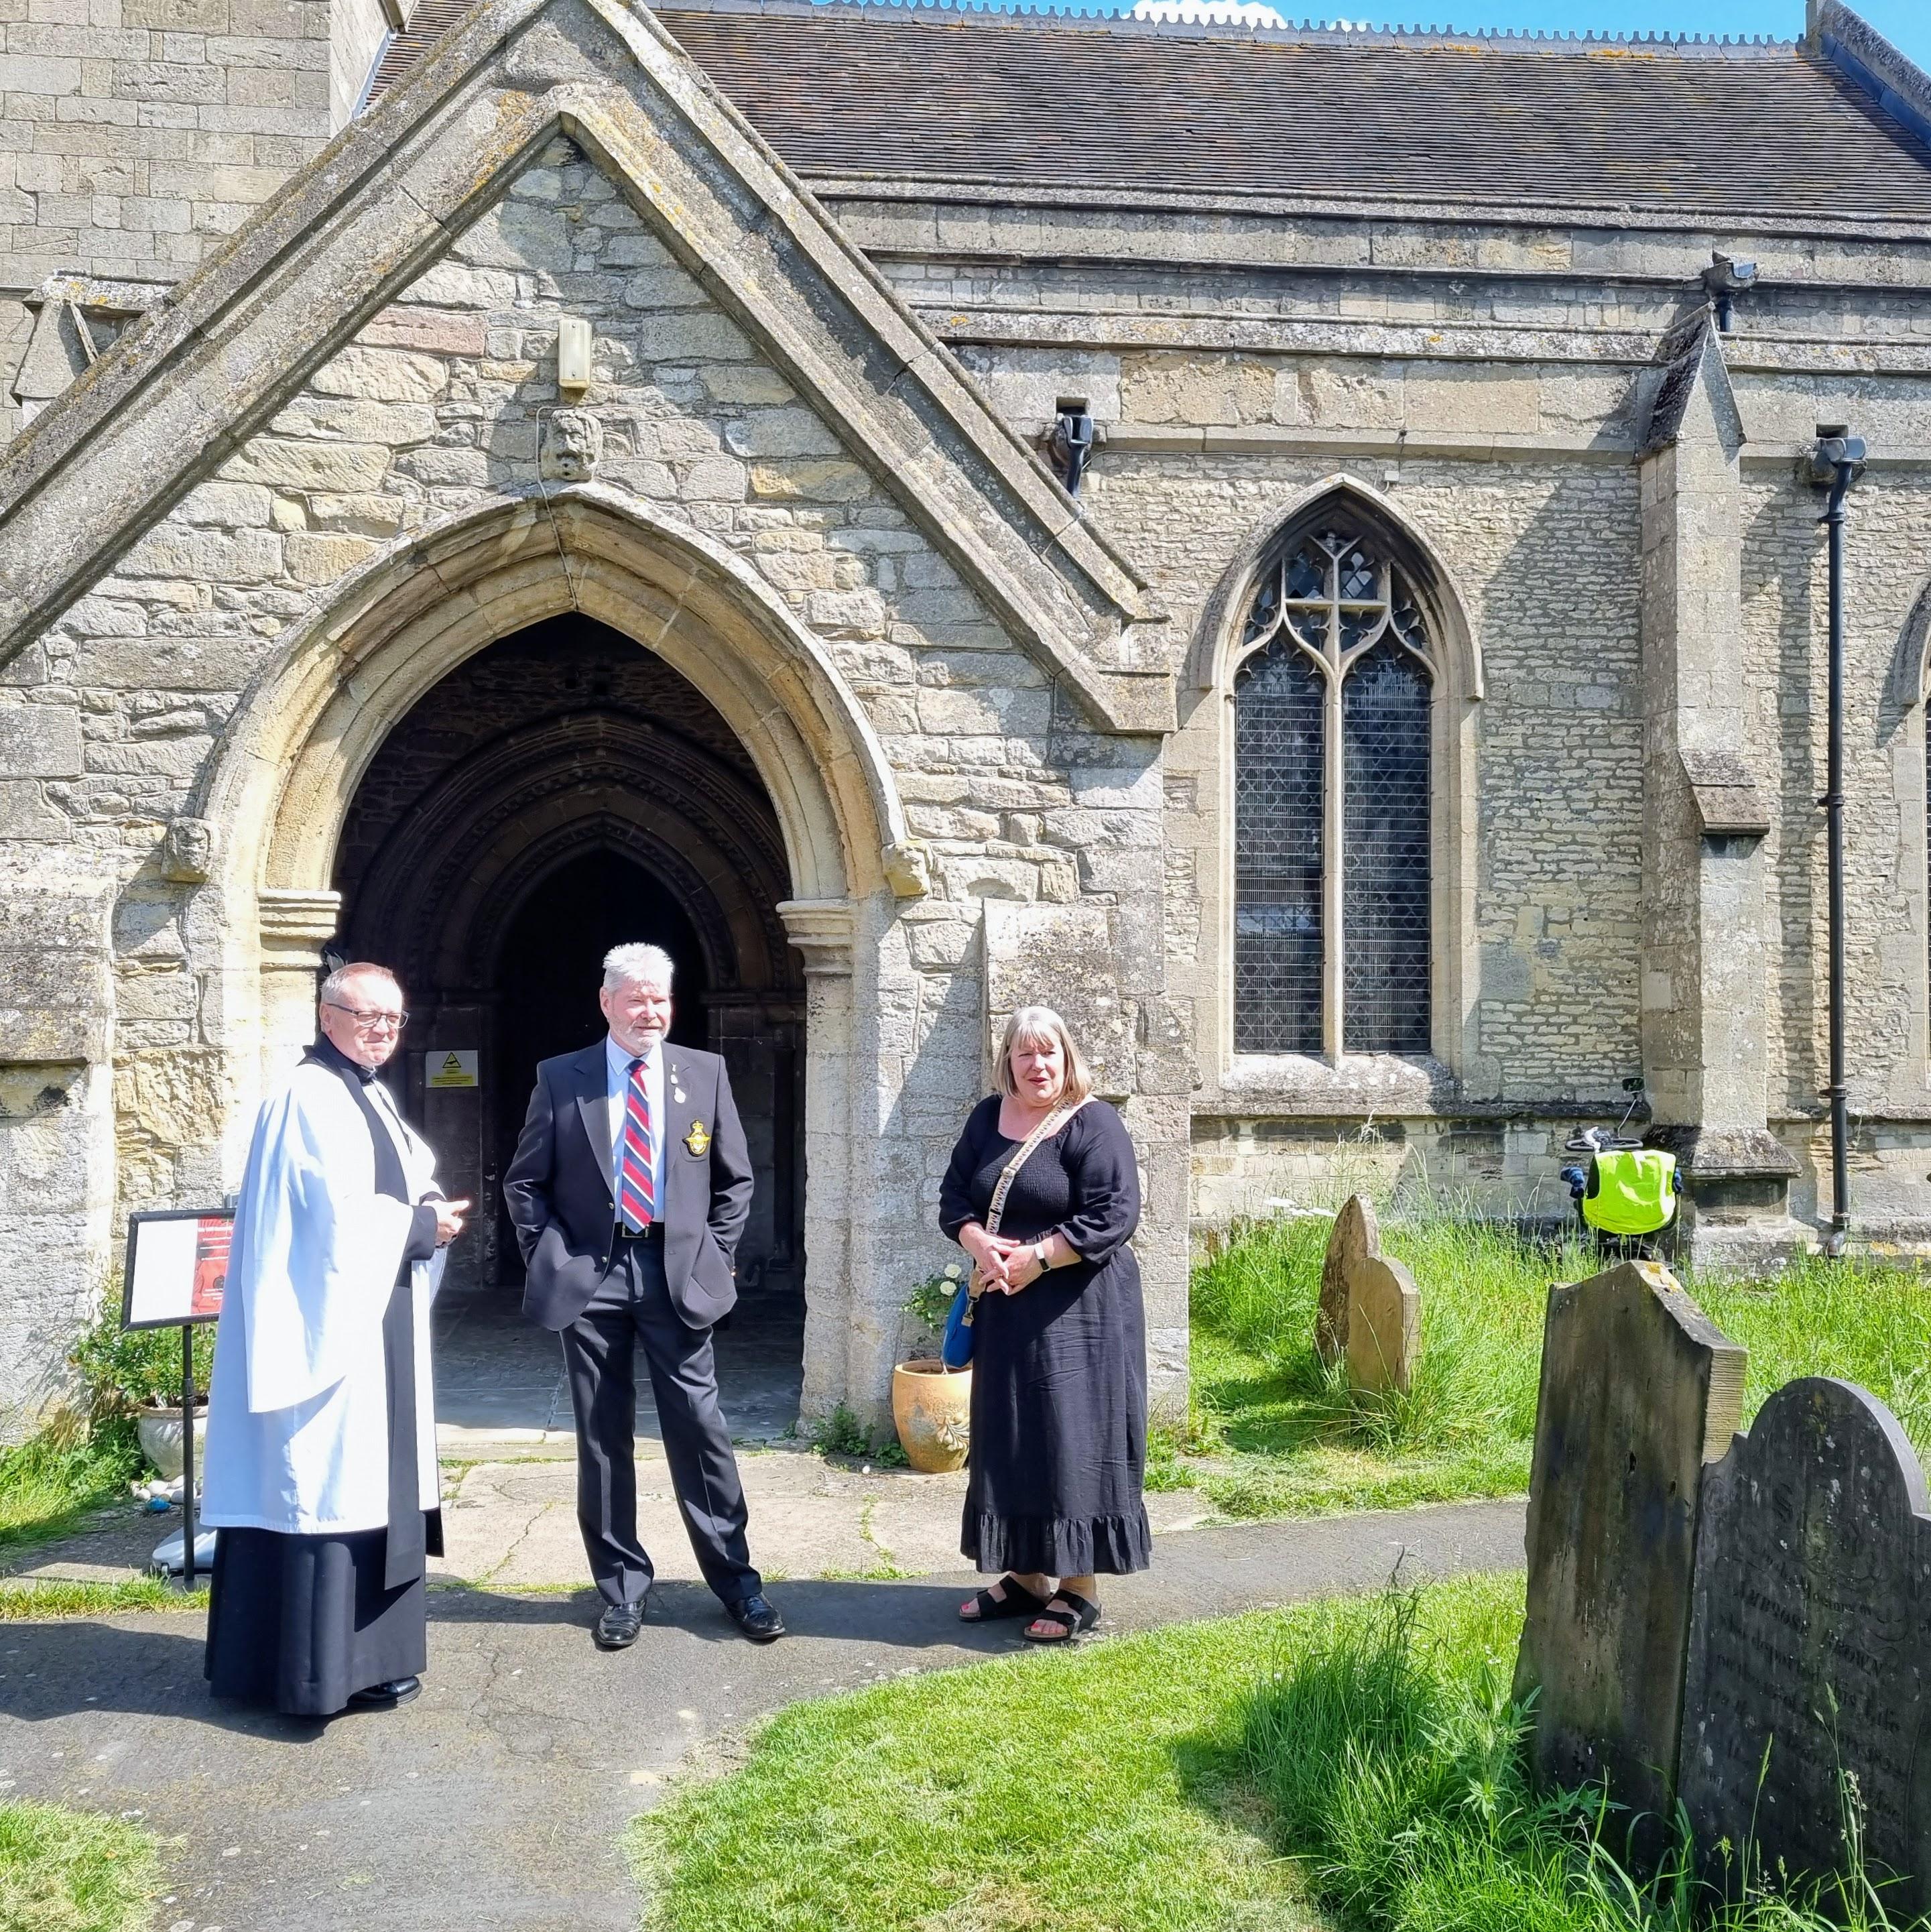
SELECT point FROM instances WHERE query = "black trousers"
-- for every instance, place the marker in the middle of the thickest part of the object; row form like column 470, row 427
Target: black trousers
column 632, row 1308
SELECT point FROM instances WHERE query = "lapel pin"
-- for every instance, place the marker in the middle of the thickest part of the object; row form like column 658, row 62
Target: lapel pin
column 697, row 1140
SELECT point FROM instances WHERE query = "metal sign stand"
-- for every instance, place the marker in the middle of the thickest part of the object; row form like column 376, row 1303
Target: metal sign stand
column 186, row 1457
column 176, row 1277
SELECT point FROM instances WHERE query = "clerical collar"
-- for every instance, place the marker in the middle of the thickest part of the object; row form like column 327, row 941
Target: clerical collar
column 331, row 1055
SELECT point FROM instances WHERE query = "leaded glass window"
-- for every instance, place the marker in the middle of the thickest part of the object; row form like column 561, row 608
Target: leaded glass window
column 1332, row 789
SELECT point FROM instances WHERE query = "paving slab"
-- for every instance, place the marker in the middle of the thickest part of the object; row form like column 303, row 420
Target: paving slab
column 497, row 1801
column 512, row 1523
column 500, row 1385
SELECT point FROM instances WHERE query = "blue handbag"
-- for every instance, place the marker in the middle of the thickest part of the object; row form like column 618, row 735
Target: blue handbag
column 956, row 1350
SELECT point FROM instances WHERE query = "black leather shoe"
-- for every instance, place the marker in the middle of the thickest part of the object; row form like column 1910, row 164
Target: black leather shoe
column 386, row 1696
column 618, row 1627
column 758, row 1619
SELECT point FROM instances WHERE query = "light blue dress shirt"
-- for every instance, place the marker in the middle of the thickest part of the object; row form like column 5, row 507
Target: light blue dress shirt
column 616, row 1062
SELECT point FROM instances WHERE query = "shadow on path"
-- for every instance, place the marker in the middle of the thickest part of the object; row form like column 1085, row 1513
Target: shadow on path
column 507, row 1785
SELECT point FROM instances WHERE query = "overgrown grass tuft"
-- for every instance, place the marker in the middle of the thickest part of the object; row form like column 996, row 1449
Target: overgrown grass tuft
column 1867, row 1321
column 62, row 1597
column 69, row 1468
column 842, row 1433
column 1387, row 1746
column 73, row 1871
column 1296, row 1441
column 1483, row 1285
column 1292, row 1439
column 1354, row 1765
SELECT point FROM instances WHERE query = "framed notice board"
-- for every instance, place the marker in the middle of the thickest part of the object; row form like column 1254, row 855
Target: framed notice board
column 177, row 1267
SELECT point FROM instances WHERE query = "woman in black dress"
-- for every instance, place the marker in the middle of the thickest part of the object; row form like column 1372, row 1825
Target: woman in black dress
column 1059, row 1386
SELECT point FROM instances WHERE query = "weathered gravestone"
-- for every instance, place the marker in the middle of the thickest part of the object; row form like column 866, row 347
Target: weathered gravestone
column 1639, row 1391
column 1370, row 1311
column 1811, row 1638
column 1384, row 1326
column 1354, row 1236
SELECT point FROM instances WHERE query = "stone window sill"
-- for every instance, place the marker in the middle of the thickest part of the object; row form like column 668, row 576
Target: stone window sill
column 1360, row 1083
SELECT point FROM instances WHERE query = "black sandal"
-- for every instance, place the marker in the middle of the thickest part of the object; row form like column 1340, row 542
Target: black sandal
column 1078, row 1617
column 1019, row 1601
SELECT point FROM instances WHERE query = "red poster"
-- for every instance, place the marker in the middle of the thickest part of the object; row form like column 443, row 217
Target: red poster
column 211, row 1265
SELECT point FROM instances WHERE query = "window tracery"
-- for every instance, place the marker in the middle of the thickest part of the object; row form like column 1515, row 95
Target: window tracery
column 1331, row 710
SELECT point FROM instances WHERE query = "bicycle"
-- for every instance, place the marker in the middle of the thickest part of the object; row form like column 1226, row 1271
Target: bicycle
column 1626, row 1197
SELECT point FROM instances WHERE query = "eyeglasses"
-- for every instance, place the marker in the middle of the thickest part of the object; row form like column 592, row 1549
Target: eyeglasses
column 370, row 1022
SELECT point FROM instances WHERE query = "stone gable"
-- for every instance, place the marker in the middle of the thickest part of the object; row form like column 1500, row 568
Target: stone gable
column 257, row 528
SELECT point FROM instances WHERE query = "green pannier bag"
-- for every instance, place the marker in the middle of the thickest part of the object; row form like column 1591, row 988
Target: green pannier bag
column 1631, row 1191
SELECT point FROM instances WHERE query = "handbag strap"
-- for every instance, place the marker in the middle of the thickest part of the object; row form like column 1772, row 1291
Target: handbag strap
column 1044, row 1131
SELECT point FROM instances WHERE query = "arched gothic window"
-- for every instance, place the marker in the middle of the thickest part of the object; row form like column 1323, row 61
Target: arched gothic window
column 1332, row 722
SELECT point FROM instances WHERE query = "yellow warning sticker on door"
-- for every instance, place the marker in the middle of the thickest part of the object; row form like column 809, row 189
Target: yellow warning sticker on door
column 451, row 1066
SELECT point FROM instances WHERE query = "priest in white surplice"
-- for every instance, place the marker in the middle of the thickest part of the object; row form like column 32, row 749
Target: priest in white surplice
column 321, row 1467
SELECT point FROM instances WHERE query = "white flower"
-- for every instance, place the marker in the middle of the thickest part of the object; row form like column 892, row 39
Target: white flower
column 951, row 1270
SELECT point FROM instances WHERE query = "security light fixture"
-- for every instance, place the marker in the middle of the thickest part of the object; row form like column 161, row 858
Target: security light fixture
column 1071, row 444
column 1723, row 281
column 573, row 357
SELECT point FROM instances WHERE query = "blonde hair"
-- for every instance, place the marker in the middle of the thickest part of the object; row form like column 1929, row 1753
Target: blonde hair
column 1030, row 1026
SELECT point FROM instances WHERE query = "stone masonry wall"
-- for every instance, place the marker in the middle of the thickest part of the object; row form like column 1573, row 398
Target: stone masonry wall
column 1545, row 558
column 1506, row 437
column 1887, row 563
column 135, row 134
column 435, row 408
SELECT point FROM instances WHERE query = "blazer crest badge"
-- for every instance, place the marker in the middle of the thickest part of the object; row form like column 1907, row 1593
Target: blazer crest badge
column 697, row 1140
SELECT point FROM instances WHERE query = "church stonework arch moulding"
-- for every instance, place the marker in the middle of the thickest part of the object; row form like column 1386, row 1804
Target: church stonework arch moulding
column 487, row 832
column 1443, row 643
column 307, row 726
column 286, row 769
column 282, row 779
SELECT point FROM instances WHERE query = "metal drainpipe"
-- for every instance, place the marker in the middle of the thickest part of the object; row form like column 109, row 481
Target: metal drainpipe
column 1835, row 464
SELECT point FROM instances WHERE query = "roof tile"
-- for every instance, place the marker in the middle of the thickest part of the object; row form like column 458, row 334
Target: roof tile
column 935, row 94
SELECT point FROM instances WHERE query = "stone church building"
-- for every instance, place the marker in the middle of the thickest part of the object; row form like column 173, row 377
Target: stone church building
column 1289, row 544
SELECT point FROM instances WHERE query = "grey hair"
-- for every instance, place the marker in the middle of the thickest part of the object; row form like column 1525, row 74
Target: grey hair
column 634, row 965
column 356, row 969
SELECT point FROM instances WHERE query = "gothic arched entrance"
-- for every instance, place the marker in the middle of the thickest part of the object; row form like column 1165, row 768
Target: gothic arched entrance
column 417, row 773
column 559, row 793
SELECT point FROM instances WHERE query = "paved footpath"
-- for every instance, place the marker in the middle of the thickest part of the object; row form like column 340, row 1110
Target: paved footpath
column 496, row 1802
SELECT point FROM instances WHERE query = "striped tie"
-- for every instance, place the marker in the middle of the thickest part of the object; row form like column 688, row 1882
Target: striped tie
column 636, row 1178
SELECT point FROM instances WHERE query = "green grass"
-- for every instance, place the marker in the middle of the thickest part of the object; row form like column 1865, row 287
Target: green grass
column 1355, row 1766
column 71, row 1871
column 1274, row 1432
column 1092, row 1791
column 1863, row 1321
column 1391, row 1757
column 56, row 1597
column 56, row 1476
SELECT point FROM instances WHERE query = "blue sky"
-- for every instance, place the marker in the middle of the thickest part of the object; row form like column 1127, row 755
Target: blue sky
column 1905, row 23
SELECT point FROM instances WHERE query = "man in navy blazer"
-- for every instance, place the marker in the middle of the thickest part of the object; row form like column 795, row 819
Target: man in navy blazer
column 629, row 1189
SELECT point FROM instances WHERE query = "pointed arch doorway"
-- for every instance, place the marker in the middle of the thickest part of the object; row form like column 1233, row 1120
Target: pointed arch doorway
column 558, row 792
column 300, row 749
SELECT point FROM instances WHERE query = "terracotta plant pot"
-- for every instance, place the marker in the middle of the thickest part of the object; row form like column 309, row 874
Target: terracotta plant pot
column 160, row 1432
column 932, row 1406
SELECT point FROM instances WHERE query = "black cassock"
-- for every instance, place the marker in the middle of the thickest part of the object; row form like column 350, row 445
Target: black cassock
column 303, row 1622
column 1059, row 1370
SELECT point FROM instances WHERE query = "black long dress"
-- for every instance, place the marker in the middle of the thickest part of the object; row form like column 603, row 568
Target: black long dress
column 303, row 1622
column 1059, row 1382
